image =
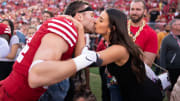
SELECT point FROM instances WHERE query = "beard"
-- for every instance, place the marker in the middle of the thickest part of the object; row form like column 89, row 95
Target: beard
column 136, row 20
column 90, row 30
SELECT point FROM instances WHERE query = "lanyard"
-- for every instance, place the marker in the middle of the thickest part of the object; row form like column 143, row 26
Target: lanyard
column 177, row 39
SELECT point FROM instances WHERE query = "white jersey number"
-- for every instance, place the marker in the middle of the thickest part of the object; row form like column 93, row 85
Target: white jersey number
column 23, row 51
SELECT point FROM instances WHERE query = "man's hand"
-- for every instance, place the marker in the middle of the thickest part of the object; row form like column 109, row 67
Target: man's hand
column 86, row 59
column 149, row 58
column 98, row 61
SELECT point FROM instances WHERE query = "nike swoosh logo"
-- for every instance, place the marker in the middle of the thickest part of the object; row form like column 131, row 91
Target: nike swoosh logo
column 88, row 59
column 70, row 23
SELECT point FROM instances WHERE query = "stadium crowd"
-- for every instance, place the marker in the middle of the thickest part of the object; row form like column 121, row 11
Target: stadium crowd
column 25, row 17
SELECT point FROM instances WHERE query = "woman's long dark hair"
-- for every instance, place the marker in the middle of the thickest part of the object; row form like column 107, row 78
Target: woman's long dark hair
column 119, row 35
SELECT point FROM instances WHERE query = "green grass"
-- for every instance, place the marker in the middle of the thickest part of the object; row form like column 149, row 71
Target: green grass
column 94, row 70
column 95, row 83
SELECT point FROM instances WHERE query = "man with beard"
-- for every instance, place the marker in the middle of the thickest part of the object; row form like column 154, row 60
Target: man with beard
column 144, row 36
column 81, row 11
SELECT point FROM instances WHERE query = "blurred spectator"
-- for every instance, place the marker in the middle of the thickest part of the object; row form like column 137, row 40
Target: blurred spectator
column 84, row 95
column 104, row 87
column 162, row 34
column 93, row 41
column 46, row 15
column 22, row 37
column 170, row 53
column 5, row 34
column 31, row 31
column 177, row 13
column 35, row 22
column 15, row 49
column 160, row 22
column 14, row 42
column 170, row 14
column 157, row 30
column 144, row 36
column 154, row 13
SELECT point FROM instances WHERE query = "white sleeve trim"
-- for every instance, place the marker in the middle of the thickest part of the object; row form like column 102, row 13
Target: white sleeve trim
column 62, row 35
column 34, row 63
column 70, row 28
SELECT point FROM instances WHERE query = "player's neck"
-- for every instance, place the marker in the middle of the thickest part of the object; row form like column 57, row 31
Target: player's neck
column 138, row 24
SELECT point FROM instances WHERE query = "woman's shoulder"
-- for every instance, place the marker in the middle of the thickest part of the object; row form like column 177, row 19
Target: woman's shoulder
column 121, row 52
column 14, row 40
column 119, row 48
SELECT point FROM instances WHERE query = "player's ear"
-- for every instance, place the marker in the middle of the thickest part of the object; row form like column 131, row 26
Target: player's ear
column 78, row 17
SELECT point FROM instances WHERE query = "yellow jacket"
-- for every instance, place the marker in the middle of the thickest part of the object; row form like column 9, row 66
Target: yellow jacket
column 161, row 36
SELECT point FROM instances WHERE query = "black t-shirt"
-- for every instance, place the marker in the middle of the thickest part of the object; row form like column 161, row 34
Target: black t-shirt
column 154, row 15
column 130, row 89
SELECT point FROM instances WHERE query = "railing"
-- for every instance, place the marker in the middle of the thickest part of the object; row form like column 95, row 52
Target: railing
column 157, row 25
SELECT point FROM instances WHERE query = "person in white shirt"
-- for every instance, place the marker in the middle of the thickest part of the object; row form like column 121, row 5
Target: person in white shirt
column 4, row 47
column 5, row 35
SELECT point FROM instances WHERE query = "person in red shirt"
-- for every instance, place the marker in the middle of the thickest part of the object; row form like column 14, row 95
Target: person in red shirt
column 144, row 36
column 45, row 60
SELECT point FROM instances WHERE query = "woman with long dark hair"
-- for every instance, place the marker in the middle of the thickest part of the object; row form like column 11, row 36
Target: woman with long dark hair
column 123, row 58
column 8, row 61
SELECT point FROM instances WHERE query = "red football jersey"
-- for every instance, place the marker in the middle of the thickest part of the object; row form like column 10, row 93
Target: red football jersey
column 16, row 84
column 147, row 40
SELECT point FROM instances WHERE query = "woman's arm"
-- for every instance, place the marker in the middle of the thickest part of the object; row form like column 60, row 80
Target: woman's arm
column 114, row 53
column 14, row 43
column 13, row 51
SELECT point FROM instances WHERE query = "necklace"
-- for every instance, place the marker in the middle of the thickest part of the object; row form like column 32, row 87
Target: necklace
column 138, row 32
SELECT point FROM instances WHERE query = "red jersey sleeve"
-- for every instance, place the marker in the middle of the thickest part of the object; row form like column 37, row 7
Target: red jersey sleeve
column 64, row 28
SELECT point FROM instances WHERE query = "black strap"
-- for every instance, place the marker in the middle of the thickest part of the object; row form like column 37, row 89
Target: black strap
column 86, row 9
